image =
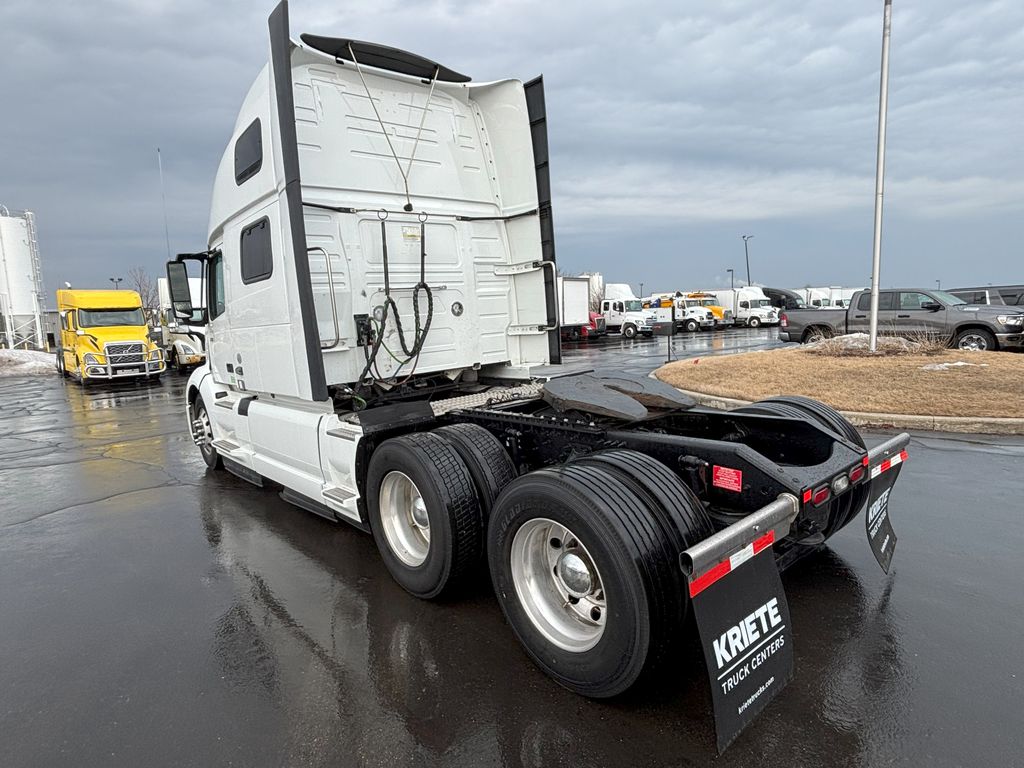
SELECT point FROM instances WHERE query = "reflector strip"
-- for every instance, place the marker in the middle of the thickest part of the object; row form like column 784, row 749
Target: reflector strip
column 733, row 562
column 807, row 495
column 888, row 464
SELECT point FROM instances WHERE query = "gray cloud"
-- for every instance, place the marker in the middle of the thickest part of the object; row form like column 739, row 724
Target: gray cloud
column 675, row 127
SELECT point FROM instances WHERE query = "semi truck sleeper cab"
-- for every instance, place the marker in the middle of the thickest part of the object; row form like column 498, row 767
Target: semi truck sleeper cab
column 383, row 342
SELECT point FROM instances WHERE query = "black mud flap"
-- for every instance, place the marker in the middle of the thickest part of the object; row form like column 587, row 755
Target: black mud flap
column 742, row 616
column 884, row 465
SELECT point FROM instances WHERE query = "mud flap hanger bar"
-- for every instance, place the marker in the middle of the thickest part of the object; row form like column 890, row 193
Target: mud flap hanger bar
column 773, row 519
column 891, row 451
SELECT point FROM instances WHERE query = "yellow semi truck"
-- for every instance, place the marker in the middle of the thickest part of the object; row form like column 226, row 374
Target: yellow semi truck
column 104, row 335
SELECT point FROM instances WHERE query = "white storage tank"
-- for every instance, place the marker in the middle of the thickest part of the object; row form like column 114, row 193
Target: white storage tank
column 21, row 283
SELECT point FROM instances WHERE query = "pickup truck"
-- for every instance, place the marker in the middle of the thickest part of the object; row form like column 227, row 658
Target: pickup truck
column 912, row 311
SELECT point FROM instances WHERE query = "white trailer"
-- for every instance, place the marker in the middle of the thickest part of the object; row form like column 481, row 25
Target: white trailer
column 827, row 296
column 21, row 282
column 383, row 342
column 573, row 306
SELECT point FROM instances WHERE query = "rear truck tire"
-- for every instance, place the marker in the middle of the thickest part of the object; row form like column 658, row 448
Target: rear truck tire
column 61, row 369
column 210, row 454
column 574, row 334
column 816, row 332
column 629, row 331
column 582, row 573
column 754, row 322
column 975, row 339
column 488, row 462
column 691, row 326
column 841, row 511
column 424, row 513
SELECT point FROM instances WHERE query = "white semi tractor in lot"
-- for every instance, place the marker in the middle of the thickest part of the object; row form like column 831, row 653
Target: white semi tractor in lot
column 184, row 339
column 383, row 343
column 624, row 313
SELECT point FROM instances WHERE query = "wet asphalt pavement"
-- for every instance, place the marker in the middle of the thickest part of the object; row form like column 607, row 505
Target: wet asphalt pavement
column 155, row 613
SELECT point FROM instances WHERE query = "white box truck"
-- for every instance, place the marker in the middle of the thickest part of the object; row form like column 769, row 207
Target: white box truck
column 385, row 346
column 750, row 305
column 573, row 307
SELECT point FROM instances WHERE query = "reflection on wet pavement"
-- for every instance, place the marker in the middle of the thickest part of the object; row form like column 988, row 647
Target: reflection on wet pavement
column 156, row 613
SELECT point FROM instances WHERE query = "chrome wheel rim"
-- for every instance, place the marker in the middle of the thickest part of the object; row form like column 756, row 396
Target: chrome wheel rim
column 403, row 516
column 206, row 437
column 558, row 585
column 974, row 341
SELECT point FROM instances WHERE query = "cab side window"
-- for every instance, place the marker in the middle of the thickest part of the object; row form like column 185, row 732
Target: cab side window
column 248, row 153
column 884, row 301
column 914, row 300
column 257, row 258
column 215, row 286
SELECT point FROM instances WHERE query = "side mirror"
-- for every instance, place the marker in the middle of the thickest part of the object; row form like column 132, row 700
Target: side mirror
column 931, row 306
column 177, row 287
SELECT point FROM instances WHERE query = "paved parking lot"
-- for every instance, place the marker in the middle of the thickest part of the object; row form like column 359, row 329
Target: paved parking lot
column 154, row 613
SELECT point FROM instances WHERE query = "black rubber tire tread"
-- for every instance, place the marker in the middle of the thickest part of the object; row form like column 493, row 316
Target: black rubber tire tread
column 485, row 457
column 443, row 476
column 772, row 409
column 825, row 415
column 624, row 528
column 680, row 514
column 214, row 461
column 846, row 510
column 685, row 520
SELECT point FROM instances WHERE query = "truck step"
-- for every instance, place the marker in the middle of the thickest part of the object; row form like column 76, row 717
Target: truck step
column 337, row 494
column 225, row 446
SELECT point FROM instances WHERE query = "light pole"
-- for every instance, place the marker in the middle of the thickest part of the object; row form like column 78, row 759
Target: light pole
column 641, row 290
column 883, row 109
column 116, row 281
column 732, row 283
column 938, row 285
column 746, row 253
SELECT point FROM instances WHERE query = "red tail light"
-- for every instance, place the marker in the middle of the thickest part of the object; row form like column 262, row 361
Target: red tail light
column 821, row 495
column 856, row 474
column 783, row 320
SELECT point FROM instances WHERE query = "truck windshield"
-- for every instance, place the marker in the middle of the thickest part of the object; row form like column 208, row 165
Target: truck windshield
column 102, row 318
column 764, row 303
column 634, row 306
column 709, row 302
column 948, row 298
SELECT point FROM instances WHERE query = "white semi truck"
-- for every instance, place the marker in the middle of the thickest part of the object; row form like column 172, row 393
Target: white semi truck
column 183, row 340
column 624, row 313
column 383, row 342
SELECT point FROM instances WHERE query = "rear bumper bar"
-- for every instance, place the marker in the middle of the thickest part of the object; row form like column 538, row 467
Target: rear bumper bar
column 716, row 555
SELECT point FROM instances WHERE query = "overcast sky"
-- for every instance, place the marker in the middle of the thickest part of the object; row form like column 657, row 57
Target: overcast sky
column 676, row 127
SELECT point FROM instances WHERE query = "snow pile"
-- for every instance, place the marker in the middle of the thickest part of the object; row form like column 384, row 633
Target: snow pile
column 26, row 362
column 948, row 366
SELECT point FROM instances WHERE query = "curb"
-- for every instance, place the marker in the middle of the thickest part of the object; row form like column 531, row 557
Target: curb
column 967, row 424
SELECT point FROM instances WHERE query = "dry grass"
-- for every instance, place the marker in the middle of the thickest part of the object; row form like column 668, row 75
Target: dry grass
column 875, row 384
column 856, row 345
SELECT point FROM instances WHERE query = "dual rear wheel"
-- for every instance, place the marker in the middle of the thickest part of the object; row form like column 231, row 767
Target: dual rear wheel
column 582, row 556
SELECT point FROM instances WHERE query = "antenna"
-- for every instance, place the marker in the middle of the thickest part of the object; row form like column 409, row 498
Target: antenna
column 163, row 197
